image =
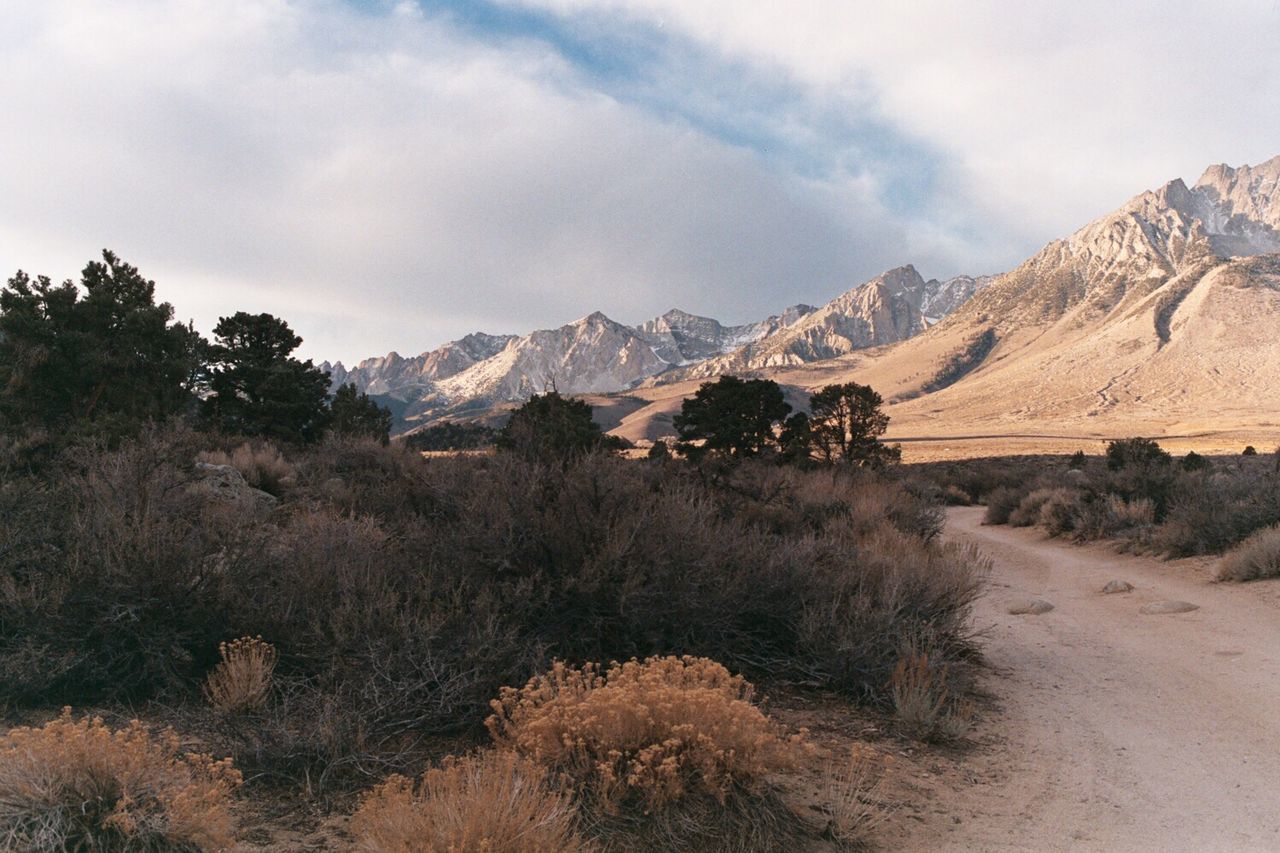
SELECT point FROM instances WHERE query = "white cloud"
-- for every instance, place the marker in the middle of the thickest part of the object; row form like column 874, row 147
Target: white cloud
column 1049, row 113
column 384, row 181
column 389, row 180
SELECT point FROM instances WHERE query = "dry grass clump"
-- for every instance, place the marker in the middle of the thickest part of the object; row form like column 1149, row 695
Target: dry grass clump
column 262, row 465
column 79, row 785
column 644, row 734
column 853, row 791
column 242, row 679
column 1253, row 559
column 492, row 801
column 922, row 701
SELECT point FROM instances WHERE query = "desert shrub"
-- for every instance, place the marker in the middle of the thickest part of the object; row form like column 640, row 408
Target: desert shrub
column 391, row 483
column 955, row 496
column 854, row 624
column 922, row 702
column 1111, row 515
column 1211, row 511
column 1077, row 461
column 261, row 464
column 1249, row 450
column 1135, row 452
column 1254, row 558
column 451, row 435
column 665, row 754
column 1028, row 510
column 123, row 596
column 978, row 478
column 488, row 801
column 402, row 593
column 1194, row 462
column 1061, row 512
column 79, row 785
column 1002, row 503
column 642, row 735
column 242, row 679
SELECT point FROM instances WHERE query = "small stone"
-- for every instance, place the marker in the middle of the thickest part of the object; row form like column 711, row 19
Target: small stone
column 1157, row 608
column 1113, row 587
column 1029, row 606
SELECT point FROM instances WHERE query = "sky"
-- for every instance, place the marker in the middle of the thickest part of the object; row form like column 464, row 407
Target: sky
column 392, row 174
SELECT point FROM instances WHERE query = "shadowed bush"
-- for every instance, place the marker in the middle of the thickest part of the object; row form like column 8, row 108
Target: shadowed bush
column 1001, row 504
column 401, row 593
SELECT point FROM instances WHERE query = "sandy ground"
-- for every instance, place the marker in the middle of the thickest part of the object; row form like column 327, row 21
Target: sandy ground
column 1115, row 730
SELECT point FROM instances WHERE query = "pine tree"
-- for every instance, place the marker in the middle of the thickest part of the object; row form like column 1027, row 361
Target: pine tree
column 731, row 416
column 846, row 423
column 100, row 356
column 353, row 413
column 257, row 387
column 550, row 426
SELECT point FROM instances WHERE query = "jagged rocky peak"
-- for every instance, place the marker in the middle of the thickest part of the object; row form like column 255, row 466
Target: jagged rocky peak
column 942, row 297
column 591, row 355
column 1249, row 191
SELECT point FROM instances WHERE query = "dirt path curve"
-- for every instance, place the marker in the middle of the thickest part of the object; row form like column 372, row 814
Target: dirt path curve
column 1116, row 730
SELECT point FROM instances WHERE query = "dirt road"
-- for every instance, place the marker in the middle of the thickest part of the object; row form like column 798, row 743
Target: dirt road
column 1115, row 730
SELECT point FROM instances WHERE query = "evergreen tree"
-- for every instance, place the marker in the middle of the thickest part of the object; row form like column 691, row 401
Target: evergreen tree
column 846, row 422
column 1136, row 453
column 256, row 385
column 101, row 355
column 353, row 413
column 796, row 439
column 550, row 426
column 731, row 416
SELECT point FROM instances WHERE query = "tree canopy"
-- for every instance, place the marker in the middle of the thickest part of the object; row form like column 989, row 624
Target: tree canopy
column 550, row 426
column 846, row 422
column 257, row 387
column 100, row 352
column 731, row 416
column 353, row 413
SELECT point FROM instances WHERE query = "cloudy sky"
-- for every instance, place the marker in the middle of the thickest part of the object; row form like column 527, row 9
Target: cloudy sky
column 390, row 175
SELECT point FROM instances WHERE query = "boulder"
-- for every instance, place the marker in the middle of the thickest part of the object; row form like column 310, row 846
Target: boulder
column 1029, row 606
column 1158, row 608
column 224, row 483
column 1113, row 587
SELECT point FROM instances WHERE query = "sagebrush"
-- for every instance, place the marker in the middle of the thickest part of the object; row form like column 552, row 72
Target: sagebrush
column 491, row 801
column 80, row 785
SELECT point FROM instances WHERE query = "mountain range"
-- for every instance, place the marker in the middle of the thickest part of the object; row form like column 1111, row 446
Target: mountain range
column 481, row 373
column 1157, row 318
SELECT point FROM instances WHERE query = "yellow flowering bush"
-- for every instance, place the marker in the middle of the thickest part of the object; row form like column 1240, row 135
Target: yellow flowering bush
column 643, row 733
column 80, row 785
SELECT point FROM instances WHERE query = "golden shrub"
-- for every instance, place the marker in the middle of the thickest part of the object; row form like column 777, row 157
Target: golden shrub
column 242, row 679
column 79, row 785
column 643, row 733
column 496, row 802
